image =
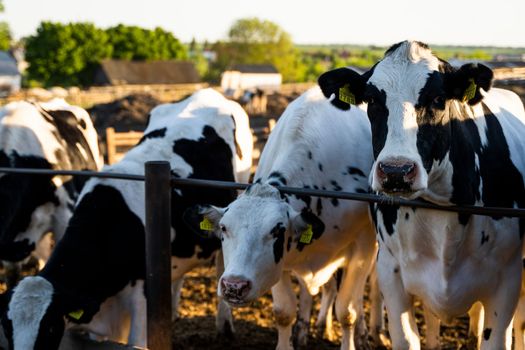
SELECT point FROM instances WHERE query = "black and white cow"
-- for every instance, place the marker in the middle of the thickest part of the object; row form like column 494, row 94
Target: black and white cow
column 267, row 236
column 443, row 135
column 95, row 276
column 52, row 135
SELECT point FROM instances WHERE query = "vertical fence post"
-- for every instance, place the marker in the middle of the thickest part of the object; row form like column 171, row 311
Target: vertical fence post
column 158, row 254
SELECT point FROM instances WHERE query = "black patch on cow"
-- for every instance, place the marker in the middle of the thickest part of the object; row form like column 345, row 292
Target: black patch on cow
column 238, row 149
column 355, row 171
column 486, row 333
column 100, row 224
column 336, row 186
column 523, row 261
column 393, row 48
column 310, row 155
column 289, row 244
column 320, row 167
column 361, row 190
column 157, row 133
column 319, row 207
column 334, row 201
column 278, row 179
column 67, row 129
column 211, row 159
column 380, row 232
column 277, row 233
column 378, row 116
column 20, row 195
column 318, row 227
column 305, row 198
column 389, row 213
column 484, row 238
column 396, row 269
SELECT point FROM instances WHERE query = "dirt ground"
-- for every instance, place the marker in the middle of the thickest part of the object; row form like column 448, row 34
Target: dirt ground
column 195, row 328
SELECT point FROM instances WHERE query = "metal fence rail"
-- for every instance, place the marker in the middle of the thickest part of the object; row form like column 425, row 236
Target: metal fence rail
column 159, row 183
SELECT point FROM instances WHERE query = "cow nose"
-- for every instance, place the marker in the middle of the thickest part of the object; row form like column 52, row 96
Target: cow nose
column 397, row 176
column 235, row 289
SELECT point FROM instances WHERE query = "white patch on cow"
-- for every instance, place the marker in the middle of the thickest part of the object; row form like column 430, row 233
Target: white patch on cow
column 27, row 307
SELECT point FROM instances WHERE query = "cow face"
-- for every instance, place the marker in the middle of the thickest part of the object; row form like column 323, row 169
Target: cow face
column 412, row 96
column 256, row 231
column 31, row 319
column 27, row 203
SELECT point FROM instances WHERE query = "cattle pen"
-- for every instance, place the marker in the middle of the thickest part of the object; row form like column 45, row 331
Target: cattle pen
column 158, row 185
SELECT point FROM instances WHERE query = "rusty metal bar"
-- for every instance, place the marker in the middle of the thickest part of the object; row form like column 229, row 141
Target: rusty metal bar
column 85, row 173
column 158, row 254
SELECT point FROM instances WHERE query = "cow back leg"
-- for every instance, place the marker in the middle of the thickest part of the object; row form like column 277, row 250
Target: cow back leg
column 324, row 323
column 499, row 309
column 349, row 301
column 223, row 319
column 432, row 325
column 138, row 314
column 399, row 304
column 302, row 325
column 176, row 287
column 475, row 326
column 284, row 311
column 377, row 322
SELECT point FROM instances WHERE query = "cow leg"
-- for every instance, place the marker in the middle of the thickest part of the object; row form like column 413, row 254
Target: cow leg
column 519, row 324
column 302, row 325
column 401, row 321
column 499, row 309
column 324, row 324
column 433, row 325
column 176, row 287
column 377, row 323
column 349, row 301
column 284, row 311
column 138, row 312
column 475, row 326
column 223, row 319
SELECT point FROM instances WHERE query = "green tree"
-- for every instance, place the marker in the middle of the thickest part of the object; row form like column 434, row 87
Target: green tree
column 255, row 41
column 65, row 54
column 135, row 43
column 5, row 33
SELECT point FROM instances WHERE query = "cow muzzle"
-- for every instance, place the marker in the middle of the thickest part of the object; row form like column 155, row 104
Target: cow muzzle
column 396, row 176
column 234, row 290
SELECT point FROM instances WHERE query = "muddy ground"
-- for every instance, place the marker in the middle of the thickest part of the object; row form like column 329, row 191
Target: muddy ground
column 195, row 328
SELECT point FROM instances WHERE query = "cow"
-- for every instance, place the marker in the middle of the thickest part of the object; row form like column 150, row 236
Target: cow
column 443, row 135
column 268, row 236
column 52, row 135
column 95, row 276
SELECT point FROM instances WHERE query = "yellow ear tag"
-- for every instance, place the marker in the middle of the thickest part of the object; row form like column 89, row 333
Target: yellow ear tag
column 470, row 92
column 306, row 236
column 206, row 225
column 76, row 314
column 345, row 95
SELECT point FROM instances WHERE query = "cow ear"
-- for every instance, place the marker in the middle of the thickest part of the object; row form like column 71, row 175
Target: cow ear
column 203, row 219
column 306, row 226
column 465, row 83
column 343, row 87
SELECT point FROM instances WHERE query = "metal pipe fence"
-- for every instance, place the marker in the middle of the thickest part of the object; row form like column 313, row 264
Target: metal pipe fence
column 159, row 182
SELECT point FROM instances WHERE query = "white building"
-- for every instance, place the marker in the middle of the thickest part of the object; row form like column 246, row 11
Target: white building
column 245, row 77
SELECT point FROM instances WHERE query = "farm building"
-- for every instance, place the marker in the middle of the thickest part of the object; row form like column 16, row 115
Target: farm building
column 10, row 77
column 243, row 77
column 122, row 72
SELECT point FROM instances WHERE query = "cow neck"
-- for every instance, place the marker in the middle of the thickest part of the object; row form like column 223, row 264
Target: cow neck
column 102, row 250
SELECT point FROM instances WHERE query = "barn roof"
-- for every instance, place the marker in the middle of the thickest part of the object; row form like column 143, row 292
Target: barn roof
column 255, row 68
column 8, row 64
column 118, row 72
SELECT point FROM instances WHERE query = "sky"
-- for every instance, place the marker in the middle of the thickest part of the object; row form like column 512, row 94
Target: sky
column 377, row 22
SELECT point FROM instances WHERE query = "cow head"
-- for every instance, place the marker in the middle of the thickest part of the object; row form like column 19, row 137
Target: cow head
column 257, row 231
column 412, row 95
column 27, row 203
column 34, row 314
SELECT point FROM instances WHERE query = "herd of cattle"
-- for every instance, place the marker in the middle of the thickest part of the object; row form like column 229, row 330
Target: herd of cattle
column 412, row 126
